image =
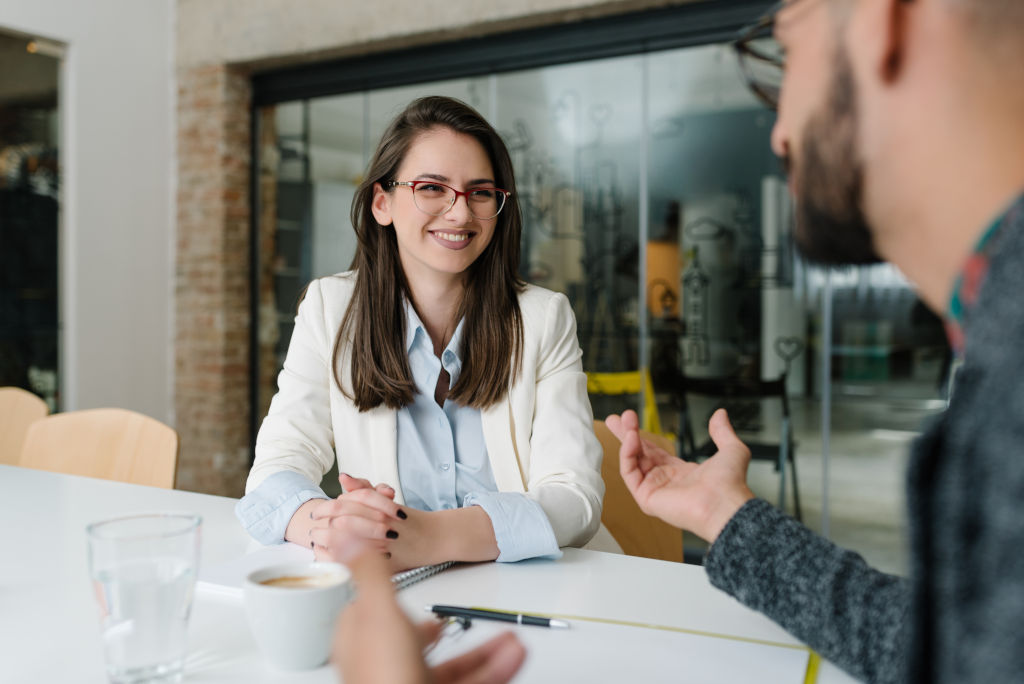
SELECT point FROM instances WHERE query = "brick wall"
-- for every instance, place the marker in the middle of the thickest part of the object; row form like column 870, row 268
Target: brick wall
column 212, row 279
column 269, row 332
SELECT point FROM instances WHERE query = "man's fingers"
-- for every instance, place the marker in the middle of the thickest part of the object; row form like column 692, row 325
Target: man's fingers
column 428, row 631
column 370, row 572
column 614, row 423
column 724, row 436
column 619, row 425
column 629, row 461
column 494, row 661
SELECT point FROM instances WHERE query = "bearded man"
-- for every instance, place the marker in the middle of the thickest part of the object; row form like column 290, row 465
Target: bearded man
column 902, row 125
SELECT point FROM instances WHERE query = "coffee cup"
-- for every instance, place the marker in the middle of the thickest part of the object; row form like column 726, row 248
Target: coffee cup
column 293, row 608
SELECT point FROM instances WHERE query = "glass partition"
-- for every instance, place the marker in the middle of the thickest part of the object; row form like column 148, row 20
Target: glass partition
column 574, row 132
column 29, row 214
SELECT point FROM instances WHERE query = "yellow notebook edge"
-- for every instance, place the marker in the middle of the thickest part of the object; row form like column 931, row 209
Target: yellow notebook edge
column 813, row 660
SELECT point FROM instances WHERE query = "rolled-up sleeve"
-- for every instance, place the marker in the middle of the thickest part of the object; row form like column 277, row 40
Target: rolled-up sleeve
column 266, row 511
column 521, row 527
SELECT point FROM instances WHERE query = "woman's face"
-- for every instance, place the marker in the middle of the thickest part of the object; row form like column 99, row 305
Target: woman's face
column 445, row 245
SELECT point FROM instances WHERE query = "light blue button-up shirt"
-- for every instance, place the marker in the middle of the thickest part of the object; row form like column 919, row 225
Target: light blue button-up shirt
column 442, row 464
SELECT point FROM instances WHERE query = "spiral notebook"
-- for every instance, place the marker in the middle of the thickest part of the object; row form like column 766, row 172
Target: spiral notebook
column 402, row 580
column 225, row 579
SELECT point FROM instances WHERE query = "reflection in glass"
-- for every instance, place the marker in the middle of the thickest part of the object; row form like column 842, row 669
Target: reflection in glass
column 312, row 157
column 574, row 142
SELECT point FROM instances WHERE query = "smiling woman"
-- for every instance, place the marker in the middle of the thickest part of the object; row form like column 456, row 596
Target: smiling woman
column 450, row 393
column 440, row 237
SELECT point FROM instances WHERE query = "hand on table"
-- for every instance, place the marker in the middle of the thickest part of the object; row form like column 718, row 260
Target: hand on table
column 376, row 642
column 428, row 537
column 701, row 497
column 363, row 511
column 407, row 536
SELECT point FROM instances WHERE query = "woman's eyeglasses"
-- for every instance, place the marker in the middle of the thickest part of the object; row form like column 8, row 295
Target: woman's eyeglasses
column 762, row 60
column 436, row 198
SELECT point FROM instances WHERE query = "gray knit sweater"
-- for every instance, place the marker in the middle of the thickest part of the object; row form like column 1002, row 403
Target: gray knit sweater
column 961, row 616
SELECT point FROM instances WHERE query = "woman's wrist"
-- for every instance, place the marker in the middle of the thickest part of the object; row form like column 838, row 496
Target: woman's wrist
column 467, row 534
column 298, row 528
column 461, row 534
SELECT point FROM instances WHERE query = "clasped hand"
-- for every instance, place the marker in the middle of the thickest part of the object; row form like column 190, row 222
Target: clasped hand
column 364, row 512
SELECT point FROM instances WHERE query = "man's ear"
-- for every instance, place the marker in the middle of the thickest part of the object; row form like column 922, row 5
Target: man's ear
column 381, row 205
column 880, row 33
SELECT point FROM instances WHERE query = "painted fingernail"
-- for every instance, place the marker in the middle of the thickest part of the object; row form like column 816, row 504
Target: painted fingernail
column 392, row 534
column 401, row 514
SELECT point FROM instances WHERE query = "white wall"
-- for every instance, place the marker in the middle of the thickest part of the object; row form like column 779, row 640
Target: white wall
column 117, row 237
column 254, row 31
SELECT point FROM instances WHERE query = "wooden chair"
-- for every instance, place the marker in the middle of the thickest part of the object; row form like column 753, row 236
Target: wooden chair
column 636, row 532
column 18, row 410
column 110, row 443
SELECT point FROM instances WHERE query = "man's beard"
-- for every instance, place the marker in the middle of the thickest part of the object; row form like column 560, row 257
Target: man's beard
column 831, row 228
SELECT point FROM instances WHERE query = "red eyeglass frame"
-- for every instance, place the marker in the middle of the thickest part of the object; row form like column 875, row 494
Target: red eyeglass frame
column 458, row 193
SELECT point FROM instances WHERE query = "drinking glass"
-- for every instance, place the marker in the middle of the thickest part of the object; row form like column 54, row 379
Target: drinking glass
column 143, row 570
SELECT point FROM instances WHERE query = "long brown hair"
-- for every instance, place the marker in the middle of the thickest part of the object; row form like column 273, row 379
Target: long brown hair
column 374, row 324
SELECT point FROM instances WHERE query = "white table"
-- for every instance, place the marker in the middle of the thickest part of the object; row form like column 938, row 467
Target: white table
column 49, row 628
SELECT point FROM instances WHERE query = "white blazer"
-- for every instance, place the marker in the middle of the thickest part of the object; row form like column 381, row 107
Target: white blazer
column 540, row 437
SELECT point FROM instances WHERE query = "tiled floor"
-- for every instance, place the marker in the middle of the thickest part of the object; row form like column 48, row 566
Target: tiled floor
column 870, row 440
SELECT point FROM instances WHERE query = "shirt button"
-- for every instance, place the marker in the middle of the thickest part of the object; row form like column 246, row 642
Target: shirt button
column 449, row 356
column 446, row 466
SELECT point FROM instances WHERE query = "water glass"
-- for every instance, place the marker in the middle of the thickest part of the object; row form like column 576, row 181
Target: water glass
column 143, row 569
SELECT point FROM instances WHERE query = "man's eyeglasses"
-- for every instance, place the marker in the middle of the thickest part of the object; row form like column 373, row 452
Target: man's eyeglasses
column 762, row 60
column 436, row 198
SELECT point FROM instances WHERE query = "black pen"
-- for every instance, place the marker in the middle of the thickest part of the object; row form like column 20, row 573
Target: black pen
column 518, row 618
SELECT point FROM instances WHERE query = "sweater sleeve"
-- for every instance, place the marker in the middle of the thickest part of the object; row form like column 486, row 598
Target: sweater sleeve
column 827, row 597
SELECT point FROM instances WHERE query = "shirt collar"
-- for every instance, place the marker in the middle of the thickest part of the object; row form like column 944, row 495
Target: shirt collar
column 414, row 328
